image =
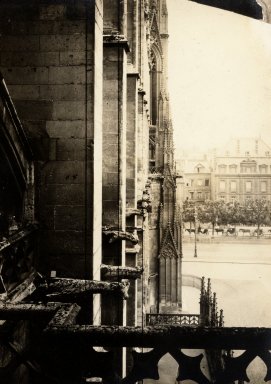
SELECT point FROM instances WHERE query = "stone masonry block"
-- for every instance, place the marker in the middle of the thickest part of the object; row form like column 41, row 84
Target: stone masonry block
column 110, row 213
column 112, row 138
column 64, row 172
column 40, row 147
column 70, row 218
column 110, row 178
column 64, row 92
column 34, row 109
column 18, row 27
column 63, row 242
column 111, row 87
column 111, row 70
column 24, row 92
column 25, row 11
column 110, row 192
column 111, row 9
column 130, row 183
column 77, row 11
column 62, row 27
column 52, row 11
column 71, row 149
column 36, row 59
column 68, row 110
column 66, row 194
column 110, row 165
column 66, row 129
column 130, row 198
column 110, row 121
column 66, row 264
column 46, row 216
column 52, row 43
column 73, row 58
column 20, row 9
column 25, row 75
column 112, row 56
column 110, row 150
column 67, row 75
column 36, row 128
column 19, row 43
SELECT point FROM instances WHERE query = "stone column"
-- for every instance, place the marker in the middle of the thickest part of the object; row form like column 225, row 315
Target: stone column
column 114, row 148
column 131, row 182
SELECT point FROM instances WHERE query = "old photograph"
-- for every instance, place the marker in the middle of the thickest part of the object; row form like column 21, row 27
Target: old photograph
column 135, row 191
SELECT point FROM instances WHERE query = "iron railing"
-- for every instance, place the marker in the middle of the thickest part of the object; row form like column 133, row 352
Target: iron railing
column 178, row 319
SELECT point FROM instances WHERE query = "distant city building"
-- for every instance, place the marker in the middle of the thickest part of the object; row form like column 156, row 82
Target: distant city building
column 238, row 171
column 196, row 172
column 242, row 170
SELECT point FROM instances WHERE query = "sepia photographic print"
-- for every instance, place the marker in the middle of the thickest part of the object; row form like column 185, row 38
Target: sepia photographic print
column 135, row 191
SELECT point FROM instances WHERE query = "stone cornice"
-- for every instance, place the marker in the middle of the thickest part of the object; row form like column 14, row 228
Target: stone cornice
column 116, row 40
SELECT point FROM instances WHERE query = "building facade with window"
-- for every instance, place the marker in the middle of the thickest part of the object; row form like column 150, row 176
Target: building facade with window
column 196, row 178
column 242, row 170
column 239, row 171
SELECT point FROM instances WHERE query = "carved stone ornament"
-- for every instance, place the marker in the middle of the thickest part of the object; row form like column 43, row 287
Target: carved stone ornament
column 168, row 252
column 146, row 8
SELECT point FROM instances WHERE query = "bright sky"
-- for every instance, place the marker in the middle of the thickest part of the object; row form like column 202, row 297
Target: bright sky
column 219, row 75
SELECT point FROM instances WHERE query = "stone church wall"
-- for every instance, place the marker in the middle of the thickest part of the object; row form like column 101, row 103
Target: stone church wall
column 49, row 64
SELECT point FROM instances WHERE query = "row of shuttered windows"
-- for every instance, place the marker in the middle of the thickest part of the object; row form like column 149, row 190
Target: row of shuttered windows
column 247, row 186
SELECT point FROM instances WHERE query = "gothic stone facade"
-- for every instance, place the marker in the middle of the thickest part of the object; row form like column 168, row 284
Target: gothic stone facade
column 89, row 82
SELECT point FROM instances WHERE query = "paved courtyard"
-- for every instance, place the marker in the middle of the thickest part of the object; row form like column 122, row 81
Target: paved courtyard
column 240, row 273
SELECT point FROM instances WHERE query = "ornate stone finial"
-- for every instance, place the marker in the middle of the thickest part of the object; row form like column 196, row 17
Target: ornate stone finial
column 209, row 290
column 153, row 4
column 161, row 209
column 221, row 318
column 146, row 8
column 214, row 299
column 202, row 285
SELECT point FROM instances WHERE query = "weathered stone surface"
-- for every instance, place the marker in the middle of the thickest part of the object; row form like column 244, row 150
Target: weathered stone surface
column 61, row 42
column 69, row 217
column 23, row 59
column 74, row 58
column 63, row 194
column 66, row 92
column 114, row 235
column 68, row 110
column 65, row 27
column 63, row 172
column 166, row 336
column 67, row 75
column 35, row 110
column 26, row 75
column 63, row 257
column 26, row 92
column 66, row 290
column 66, row 129
column 19, row 43
column 121, row 272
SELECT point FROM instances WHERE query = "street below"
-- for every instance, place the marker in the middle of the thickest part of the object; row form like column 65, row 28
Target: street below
column 240, row 273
